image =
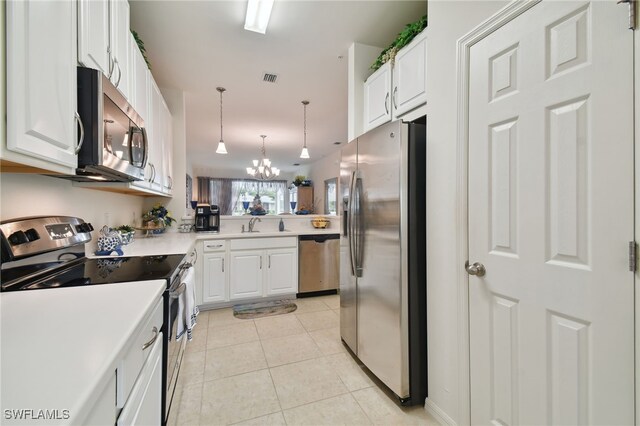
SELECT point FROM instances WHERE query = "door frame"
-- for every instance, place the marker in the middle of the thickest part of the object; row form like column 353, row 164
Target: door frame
column 463, row 53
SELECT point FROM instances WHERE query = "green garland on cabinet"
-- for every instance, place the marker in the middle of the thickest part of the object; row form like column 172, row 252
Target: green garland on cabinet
column 140, row 44
column 404, row 38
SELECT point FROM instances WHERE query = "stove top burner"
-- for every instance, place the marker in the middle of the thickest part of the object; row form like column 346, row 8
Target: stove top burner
column 93, row 272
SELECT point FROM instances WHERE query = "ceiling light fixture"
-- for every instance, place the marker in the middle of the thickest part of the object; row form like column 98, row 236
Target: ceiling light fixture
column 258, row 13
column 262, row 170
column 305, row 151
column 221, row 148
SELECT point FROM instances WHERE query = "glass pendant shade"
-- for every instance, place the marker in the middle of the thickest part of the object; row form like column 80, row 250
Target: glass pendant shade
column 304, row 153
column 221, row 148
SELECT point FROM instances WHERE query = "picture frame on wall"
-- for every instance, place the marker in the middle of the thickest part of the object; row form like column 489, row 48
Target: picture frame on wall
column 189, row 191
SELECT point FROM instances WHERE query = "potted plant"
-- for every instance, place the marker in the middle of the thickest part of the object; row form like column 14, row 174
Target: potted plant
column 298, row 180
column 158, row 218
column 126, row 233
column 409, row 32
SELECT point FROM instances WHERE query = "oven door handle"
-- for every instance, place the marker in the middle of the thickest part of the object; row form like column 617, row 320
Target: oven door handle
column 178, row 291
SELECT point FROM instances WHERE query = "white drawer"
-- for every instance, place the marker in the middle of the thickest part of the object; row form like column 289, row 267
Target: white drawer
column 263, row 243
column 214, row 245
column 137, row 353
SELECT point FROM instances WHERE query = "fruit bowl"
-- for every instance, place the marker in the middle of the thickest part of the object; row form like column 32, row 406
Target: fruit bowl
column 320, row 222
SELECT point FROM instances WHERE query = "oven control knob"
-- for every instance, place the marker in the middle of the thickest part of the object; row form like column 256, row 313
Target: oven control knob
column 32, row 234
column 18, row 238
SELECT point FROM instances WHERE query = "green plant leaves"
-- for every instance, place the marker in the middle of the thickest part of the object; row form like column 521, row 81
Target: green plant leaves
column 404, row 37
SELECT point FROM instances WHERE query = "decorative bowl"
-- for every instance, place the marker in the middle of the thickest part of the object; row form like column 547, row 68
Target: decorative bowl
column 320, row 222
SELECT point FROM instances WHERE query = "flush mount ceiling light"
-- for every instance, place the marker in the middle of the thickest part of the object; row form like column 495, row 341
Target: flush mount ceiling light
column 263, row 170
column 221, row 148
column 258, row 13
column 305, row 151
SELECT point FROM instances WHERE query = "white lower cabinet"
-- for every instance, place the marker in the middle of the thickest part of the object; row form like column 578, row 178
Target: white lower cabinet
column 248, row 268
column 246, row 274
column 282, row 271
column 215, row 278
column 144, row 406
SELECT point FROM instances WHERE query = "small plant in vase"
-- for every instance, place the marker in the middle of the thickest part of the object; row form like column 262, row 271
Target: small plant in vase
column 126, row 233
column 157, row 219
column 298, row 180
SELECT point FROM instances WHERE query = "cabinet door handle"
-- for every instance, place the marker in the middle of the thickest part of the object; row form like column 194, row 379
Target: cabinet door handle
column 386, row 103
column 216, row 246
column 81, row 141
column 260, row 262
column 115, row 61
column 223, row 264
column 269, row 261
column 153, row 339
column 111, row 62
column 395, row 96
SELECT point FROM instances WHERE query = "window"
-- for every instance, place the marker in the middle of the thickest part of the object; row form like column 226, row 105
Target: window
column 331, row 196
column 232, row 195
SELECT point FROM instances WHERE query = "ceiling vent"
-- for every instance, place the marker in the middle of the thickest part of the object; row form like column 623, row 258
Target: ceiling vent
column 269, row 77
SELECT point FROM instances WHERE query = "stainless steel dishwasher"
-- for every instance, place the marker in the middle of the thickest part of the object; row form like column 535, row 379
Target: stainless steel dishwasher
column 319, row 263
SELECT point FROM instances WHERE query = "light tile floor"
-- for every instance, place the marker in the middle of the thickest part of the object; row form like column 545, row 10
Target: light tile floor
column 287, row 369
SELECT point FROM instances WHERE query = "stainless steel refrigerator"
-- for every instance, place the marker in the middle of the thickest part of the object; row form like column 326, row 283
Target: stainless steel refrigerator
column 382, row 249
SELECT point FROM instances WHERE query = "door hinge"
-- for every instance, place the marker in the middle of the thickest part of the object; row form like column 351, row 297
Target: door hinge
column 632, row 12
column 633, row 256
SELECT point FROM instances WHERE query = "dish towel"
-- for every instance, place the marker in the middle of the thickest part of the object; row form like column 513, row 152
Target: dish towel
column 187, row 309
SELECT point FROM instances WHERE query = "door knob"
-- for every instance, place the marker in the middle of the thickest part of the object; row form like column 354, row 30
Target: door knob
column 475, row 269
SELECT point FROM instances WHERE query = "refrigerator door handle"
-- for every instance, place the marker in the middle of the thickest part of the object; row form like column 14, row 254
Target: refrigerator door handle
column 359, row 233
column 350, row 223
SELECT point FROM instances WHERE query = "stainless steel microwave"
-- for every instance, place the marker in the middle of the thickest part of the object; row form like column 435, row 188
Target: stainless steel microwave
column 115, row 146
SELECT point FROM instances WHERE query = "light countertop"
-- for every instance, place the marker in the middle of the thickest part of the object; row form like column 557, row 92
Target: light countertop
column 173, row 242
column 59, row 347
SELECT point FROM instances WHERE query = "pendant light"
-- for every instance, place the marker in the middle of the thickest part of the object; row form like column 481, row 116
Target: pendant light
column 305, row 151
column 263, row 170
column 221, row 148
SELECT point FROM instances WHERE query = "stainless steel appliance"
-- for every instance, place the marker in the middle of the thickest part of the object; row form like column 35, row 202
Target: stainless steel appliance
column 48, row 253
column 383, row 277
column 115, row 146
column 318, row 262
column 207, row 218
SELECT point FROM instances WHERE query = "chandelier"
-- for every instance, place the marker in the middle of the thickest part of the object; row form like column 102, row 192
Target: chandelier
column 263, row 170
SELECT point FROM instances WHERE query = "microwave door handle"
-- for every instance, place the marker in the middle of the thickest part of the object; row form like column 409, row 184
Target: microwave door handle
column 81, row 141
column 145, row 144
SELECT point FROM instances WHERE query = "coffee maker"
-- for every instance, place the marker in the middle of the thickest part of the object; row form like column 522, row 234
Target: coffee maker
column 207, row 218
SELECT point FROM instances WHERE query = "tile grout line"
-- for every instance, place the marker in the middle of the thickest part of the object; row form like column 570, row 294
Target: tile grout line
column 275, row 390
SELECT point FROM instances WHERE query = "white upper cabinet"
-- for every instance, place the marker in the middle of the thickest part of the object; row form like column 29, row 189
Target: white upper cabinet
column 392, row 91
column 139, row 73
column 103, row 39
column 41, row 85
column 377, row 97
column 94, row 41
column 120, row 36
column 410, row 76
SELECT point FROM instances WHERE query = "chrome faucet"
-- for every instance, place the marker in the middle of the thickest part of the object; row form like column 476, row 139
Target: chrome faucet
column 252, row 223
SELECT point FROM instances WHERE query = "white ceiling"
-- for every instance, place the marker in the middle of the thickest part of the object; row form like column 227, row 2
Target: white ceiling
column 196, row 46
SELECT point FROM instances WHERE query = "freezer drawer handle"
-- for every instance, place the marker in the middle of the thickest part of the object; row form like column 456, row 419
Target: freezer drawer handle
column 153, row 339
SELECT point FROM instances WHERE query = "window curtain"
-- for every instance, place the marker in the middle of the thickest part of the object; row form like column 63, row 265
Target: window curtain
column 222, row 194
column 204, row 190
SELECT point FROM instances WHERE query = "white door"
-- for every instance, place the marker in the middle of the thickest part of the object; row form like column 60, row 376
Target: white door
column 245, row 274
column 377, row 98
column 551, row 217
column 93, row 35
column 282, row 271
column 410, row 76
column 41, row 82
column 215, row 279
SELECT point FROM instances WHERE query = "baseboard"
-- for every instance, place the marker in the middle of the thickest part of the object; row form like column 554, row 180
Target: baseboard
column 437, row 412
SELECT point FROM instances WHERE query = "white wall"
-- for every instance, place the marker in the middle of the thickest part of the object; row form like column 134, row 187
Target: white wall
column 325, row 168
column 448, row 21
column 31, row 195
